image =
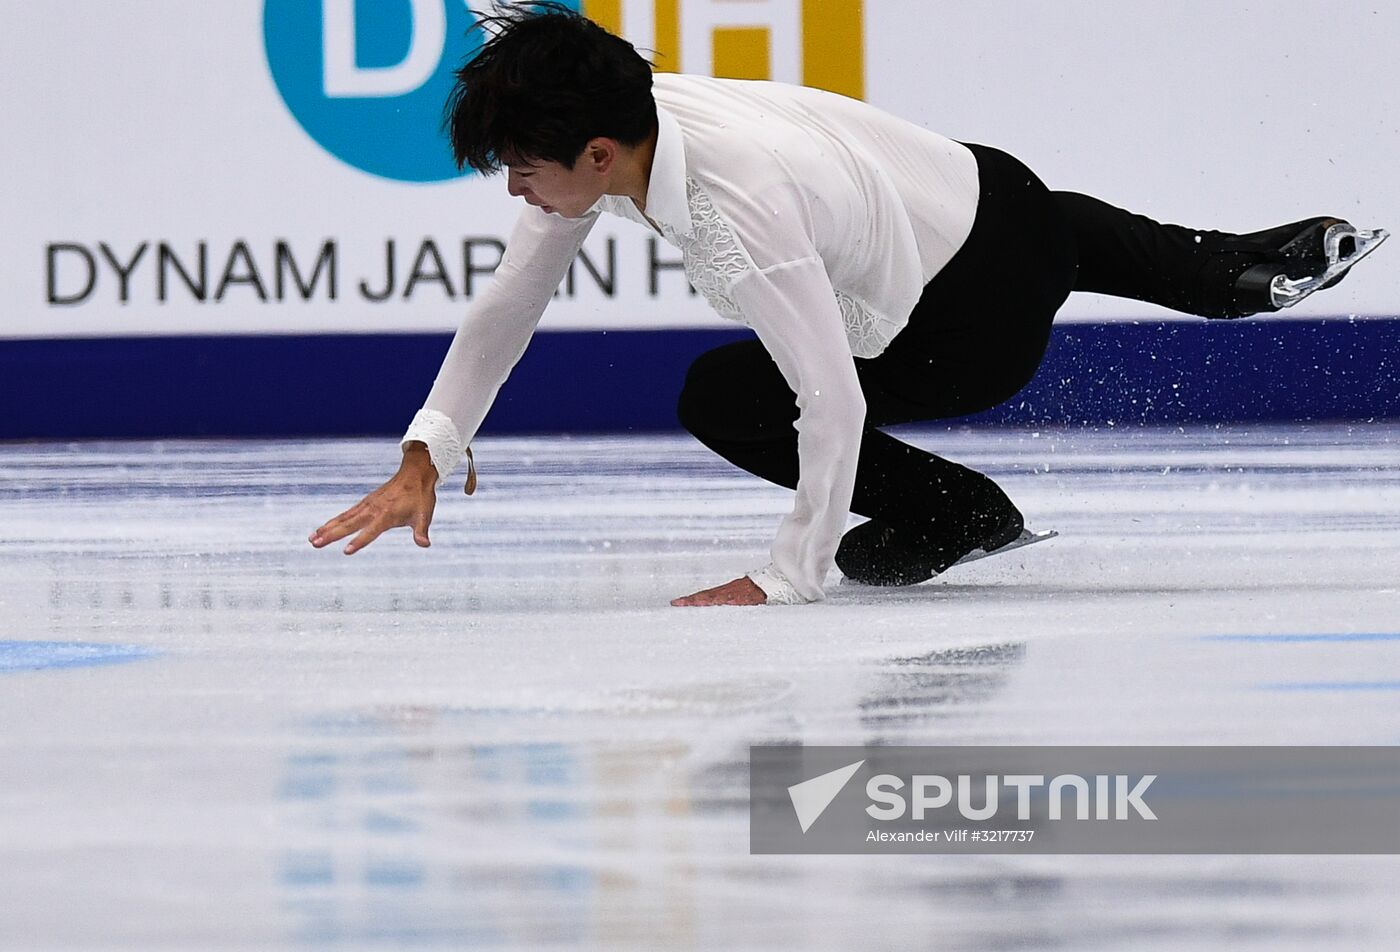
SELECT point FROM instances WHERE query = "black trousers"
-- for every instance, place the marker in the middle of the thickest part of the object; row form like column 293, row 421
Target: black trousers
column 974, row 339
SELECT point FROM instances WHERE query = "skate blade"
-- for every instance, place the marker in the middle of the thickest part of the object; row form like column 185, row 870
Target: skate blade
column 1286, row 291
column 1027, row 537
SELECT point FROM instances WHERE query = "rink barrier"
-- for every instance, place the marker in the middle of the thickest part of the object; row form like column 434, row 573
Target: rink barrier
column 1110, row 373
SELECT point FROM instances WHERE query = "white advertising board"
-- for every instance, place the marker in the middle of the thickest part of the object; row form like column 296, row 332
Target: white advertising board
column 176, row 167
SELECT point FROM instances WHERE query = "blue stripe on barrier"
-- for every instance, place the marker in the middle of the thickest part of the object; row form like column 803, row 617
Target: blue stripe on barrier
column 335, row 385
column 39, row 655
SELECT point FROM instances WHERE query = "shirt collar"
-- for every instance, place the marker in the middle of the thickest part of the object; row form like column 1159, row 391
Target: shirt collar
column 667, row 201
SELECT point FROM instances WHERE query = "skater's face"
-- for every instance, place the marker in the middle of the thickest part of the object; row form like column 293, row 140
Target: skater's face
column 559, row 190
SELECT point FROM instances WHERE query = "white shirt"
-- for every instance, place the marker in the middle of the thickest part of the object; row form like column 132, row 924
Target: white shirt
column 813, row 218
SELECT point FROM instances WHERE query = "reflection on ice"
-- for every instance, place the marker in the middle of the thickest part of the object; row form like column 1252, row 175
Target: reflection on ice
column 509, row 741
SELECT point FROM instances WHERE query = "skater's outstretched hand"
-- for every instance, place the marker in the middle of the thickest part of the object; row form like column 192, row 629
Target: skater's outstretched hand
column 405, row 500
column 741, row 591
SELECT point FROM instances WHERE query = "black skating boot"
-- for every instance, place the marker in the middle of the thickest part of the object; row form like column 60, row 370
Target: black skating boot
column 877, row 553
column 1308, row 256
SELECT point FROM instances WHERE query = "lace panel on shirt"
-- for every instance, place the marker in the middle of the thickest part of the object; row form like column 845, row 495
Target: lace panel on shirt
column 868, row 333
column 714, row 259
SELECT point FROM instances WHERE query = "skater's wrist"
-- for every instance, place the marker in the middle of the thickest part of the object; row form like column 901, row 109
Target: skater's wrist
column 417, row 463
column 435, row 431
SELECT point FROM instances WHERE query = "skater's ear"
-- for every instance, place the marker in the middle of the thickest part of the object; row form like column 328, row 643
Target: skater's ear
column 599, row 155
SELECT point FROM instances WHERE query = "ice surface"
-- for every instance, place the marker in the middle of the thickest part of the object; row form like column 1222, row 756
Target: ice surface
column 511, row 741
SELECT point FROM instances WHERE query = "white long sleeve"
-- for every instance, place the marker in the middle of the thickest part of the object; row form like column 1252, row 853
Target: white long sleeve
column 793, row 310
column 494, row 333
column 813, row 218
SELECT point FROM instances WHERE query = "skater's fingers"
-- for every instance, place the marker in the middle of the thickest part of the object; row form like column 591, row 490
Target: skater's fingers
column 388, row 506
column 698, row 600
column 367, row 535
column 341, row 526
column 420, row 529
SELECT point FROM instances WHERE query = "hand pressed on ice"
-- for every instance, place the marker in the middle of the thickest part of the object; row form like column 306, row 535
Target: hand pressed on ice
column 741, row 591
column 407, row 499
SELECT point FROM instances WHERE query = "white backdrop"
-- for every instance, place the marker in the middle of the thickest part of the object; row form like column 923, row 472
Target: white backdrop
column 158, row 121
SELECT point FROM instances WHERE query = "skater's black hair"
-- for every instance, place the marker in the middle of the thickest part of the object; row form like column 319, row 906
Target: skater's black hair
column 543, row 82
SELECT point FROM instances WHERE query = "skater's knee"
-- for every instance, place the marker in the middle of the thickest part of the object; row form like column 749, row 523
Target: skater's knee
column 727, row 390
column 702, row 395
column 690, row 411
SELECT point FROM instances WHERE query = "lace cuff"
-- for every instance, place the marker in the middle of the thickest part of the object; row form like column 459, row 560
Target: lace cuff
column 776, row 586
column 440, row 434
